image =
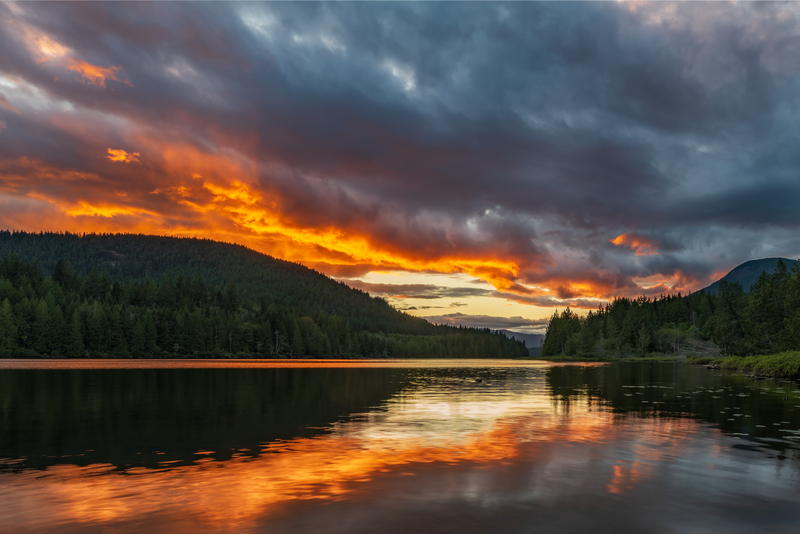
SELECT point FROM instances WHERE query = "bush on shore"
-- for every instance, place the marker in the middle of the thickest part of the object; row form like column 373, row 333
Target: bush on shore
column 782, row 365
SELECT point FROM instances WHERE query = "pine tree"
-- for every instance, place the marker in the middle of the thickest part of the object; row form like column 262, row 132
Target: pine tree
column 231, row 297
column 64, row 275
column 729, row 332
column 150, row 334
column 116, row 292
column 77, row 347
column 298, row 349
column 763, row 316
column 138, row 338
column 8, row 327
column 42, row 334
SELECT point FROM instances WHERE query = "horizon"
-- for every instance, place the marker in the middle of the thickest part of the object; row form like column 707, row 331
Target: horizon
column 542, row 156
column 480, row 322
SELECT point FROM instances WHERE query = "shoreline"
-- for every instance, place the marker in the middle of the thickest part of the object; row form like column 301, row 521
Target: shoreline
column 784, row 365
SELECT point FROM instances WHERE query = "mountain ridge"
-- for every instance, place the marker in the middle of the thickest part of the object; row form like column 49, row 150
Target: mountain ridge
column 531, row 340
column 748, row 272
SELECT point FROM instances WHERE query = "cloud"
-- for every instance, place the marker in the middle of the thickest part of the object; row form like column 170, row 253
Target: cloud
column 488, row 321
column 416, row 291
column 115, row 154
column 553, row 302
column 522, row 152
column 96, row 75
column 641, row 245
column 4, row 103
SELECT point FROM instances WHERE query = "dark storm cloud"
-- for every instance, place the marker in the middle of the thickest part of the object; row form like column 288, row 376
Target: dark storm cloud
column 529, row 133
column 755, row 205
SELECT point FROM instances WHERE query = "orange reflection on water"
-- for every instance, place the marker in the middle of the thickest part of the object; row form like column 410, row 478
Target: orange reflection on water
column 240, row 492
column 626, row 474
column 9, row 363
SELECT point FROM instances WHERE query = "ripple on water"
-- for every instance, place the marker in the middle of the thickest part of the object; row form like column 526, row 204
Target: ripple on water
column 388, row 448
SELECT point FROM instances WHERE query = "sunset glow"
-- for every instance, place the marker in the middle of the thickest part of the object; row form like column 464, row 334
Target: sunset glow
column 121, row 155
column 641, row 245
column 282, row 128
column 95, row 75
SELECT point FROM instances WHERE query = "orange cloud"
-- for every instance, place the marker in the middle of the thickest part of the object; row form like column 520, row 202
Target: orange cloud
column 121, row 155
column 642, row 245
column 94, row 74
column 230, row 207
column 44, row 47
column 232, row 196
column 194, row 194
column 105, row 210
column 47, row 49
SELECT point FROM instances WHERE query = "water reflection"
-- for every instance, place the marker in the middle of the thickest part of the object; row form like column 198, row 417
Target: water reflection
column 766, row 413
column 158, row 417
column 527, row 449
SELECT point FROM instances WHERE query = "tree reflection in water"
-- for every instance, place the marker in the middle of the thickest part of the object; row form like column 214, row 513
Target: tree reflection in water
column 647, row 447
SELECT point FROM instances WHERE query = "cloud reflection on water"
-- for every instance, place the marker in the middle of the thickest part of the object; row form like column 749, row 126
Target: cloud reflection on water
column 447, row 450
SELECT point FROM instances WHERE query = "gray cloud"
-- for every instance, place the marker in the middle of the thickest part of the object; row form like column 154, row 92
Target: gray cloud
column 527, row 132
column 417, row 291
column 490, row 321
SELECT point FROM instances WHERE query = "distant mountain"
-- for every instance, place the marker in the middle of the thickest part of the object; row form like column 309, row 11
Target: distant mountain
column 531, row 340
column 748, row 272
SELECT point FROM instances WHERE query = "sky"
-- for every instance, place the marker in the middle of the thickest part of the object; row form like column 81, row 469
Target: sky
column 481, row 164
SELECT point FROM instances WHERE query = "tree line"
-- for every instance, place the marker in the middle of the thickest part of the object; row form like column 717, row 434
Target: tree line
column 764, row 321
column 69, row 315
column 284, row 284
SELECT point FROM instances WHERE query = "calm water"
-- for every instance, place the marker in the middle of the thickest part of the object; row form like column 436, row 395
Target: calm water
column 420, row 446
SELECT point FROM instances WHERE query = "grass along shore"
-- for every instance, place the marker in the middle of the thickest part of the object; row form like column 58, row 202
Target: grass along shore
column 690, row 349
column 782, row 365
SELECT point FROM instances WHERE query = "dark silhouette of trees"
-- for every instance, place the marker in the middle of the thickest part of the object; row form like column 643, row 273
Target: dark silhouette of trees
column 764, row 321
column 122, row 299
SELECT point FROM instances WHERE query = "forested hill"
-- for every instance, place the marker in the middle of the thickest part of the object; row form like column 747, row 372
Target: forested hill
column 232, row 299
column 765, row 320
column 256, row 276
column 747, row 273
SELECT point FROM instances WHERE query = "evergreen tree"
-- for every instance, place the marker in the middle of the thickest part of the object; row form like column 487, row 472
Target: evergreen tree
column 138, row 338
column 763, row 315
column 231, row 297
column 150, row 334
column 42, row 334
column 298, row 347
column 8, row 327
column 77, row 347
column 729, row 332
column 97, row 315
column 64, row 275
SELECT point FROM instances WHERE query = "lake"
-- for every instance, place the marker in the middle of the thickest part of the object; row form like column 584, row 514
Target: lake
column 433, row 446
